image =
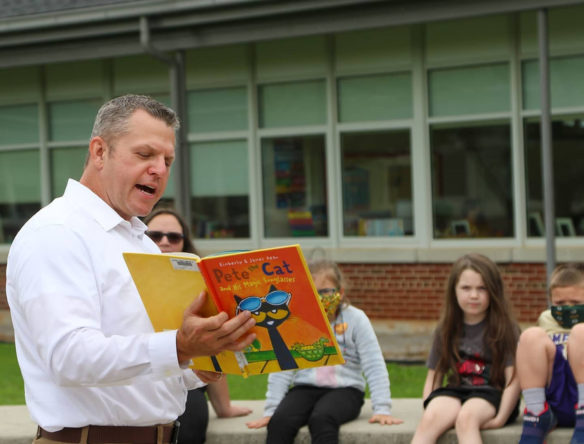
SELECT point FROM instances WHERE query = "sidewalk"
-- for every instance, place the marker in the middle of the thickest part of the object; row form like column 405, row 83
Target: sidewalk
column 17, row 428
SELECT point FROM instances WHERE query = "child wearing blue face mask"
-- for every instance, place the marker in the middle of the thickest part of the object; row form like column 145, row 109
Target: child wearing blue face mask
column 324, row 398
column 550, row 361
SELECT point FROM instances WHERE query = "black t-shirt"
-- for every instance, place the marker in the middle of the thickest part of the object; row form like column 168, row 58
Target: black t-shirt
column 475, row 362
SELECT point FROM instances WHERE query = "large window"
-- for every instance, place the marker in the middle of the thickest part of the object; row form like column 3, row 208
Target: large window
column 20, row 187
column 292, row 104
column 223, row 109
column 219, row 167
column 294, row 186
column 377, row 183
column 72, row 120
column 20, row 193
column 568, row 165
column 471, row 180
column 66, row 163
column 469, row 90
column 375, row 97
column 19, row 124
column 70, row 126
column 219, row 189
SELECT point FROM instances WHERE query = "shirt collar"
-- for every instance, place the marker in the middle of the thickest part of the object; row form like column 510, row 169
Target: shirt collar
column 99, row 210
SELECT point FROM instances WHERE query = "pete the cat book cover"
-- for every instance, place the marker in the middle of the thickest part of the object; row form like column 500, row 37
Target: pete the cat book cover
column 274, row 284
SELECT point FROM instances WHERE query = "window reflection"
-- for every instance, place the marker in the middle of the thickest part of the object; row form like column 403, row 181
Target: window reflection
column 567, row 134
column 220, row 189
column 294, row 186
column 377, row 183
column 471, row 181
column 20, row 193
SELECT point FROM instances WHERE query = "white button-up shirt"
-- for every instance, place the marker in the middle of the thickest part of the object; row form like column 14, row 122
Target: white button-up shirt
column 84, row 342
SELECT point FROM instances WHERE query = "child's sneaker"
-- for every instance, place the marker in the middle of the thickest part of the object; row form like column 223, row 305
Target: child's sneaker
column 536, row 427
column 578, row 436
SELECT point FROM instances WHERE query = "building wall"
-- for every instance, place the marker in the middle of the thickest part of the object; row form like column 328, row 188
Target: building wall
column 416, row 291
column 400, row 130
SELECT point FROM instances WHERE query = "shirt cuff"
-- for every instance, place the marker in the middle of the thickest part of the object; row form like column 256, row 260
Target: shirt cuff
column 162, row 350
column 191, row 380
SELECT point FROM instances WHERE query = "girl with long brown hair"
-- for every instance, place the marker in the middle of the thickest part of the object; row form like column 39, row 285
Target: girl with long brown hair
column 474, row 350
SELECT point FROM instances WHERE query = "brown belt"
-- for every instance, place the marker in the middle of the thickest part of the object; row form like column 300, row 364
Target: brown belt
column 112, row 434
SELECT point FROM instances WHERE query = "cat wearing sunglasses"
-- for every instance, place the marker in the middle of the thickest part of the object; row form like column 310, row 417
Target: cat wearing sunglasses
column 270, row 312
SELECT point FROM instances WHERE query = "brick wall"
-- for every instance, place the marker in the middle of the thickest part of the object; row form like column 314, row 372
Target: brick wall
column 415, row 291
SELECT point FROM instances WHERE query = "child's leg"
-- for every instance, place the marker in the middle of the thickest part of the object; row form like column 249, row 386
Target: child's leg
column 576, row 360
column 291, row 414
column 439, row 416
column 576, row 352
column 338, row 406
column 473, row 413
column 535, row 359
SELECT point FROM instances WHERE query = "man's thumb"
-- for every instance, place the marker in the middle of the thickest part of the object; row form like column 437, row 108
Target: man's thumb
column 197, row 304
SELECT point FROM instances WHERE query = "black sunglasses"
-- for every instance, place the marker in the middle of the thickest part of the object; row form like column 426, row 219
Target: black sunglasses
column 173, row 237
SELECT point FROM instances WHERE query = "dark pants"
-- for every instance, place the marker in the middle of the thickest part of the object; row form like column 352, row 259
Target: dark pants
column 193, row 422
column 323, row 409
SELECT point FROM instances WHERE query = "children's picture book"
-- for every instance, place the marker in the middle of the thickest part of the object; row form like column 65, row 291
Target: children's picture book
column 274, row 284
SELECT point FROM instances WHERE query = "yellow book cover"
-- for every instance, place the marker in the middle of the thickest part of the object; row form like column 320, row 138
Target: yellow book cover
column 274, row 284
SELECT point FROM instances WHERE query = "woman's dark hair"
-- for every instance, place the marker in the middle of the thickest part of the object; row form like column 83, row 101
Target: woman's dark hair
column 188, row 246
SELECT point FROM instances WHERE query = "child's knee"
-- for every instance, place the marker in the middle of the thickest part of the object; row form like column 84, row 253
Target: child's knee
column 577, row 335
column 278, row 422
column 321, row 417
column 466, row 418
column 534, row 337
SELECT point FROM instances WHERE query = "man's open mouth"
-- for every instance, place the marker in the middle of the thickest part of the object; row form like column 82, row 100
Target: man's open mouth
column 146, row 189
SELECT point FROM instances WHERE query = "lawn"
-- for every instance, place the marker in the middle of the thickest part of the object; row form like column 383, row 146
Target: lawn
column 407, row 380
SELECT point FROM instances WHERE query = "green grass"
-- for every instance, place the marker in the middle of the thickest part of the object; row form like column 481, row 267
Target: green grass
column 11, row 384
column 407, row 380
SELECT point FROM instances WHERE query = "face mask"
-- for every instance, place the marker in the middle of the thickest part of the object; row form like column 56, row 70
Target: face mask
column 330, row 298
column 568, row 315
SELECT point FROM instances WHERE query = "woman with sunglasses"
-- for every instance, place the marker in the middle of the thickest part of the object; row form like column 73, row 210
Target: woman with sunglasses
column 170, row 232
column 324, row 398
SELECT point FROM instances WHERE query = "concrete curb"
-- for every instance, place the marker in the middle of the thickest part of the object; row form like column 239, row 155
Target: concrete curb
column 16, row 427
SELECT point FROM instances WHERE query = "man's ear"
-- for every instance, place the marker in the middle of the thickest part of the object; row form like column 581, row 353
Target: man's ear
column 97, row 152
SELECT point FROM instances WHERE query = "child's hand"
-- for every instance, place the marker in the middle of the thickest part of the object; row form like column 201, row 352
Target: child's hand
column 207, row 376
column 258, row 423
column 493, row 423
column 385, row 419
column 235, row 410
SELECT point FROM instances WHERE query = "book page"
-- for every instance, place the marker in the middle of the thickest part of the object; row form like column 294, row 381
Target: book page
column 168, row 283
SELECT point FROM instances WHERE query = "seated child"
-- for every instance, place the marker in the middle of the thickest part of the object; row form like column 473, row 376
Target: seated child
column 324, row 398
column 474, row 349
column 550, row 361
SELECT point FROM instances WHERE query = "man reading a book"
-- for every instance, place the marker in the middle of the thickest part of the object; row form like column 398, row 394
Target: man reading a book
column 93, row 368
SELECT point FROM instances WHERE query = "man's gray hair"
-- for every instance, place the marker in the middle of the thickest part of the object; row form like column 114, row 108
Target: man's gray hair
column 112, row 118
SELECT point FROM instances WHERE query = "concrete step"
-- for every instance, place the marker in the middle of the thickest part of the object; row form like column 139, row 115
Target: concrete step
column 16, row 427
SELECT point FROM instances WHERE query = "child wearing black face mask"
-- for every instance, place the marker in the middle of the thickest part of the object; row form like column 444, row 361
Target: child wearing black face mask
column 550, row 361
